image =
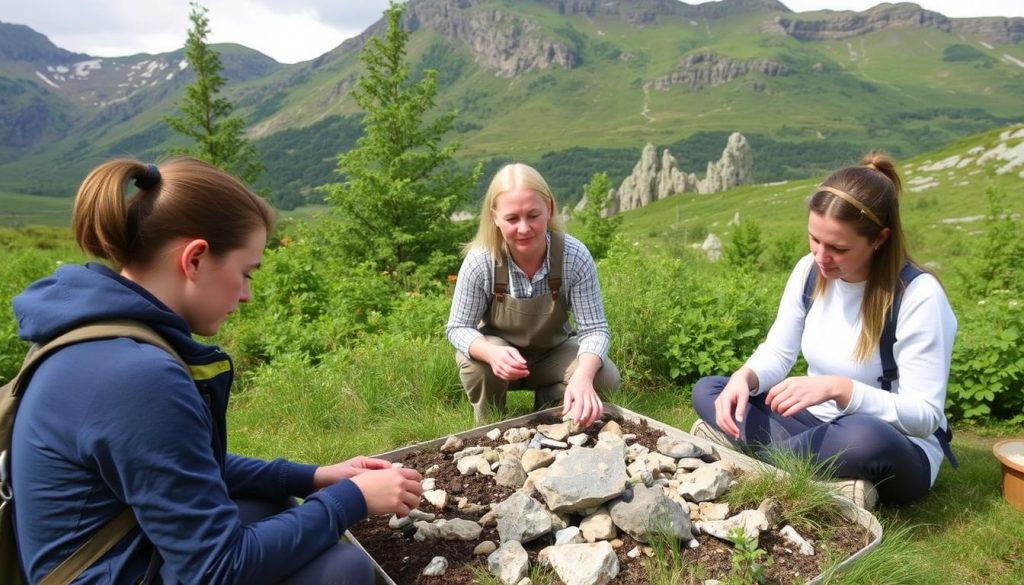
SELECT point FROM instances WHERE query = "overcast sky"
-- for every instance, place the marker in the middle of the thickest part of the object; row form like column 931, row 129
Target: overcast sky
column 287, row 30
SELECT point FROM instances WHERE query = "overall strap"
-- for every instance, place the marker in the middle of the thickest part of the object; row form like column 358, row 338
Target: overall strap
column 500, row 279
column 556, row 261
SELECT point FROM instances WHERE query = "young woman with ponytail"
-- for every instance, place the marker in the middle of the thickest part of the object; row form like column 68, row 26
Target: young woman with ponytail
column 882, row 434
column 111, row 424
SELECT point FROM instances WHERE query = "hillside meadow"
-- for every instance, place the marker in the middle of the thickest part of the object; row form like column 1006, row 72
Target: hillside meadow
column 335, row 360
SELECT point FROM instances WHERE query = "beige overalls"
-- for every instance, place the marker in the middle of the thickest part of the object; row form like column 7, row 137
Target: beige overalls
column 539, row 329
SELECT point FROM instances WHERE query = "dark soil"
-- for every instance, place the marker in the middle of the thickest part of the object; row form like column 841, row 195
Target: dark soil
column 403, row 559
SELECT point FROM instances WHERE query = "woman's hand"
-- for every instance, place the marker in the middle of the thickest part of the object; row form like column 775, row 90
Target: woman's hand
column 390, row 491
column 582, row 401
column 331, row 474
column 731, row 405
column 793, row 395
column 506, row 362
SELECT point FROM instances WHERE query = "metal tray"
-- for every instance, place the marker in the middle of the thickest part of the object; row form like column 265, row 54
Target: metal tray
column 851, row 511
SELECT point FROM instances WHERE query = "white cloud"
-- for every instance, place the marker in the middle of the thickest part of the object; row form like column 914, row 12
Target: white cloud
column 287, row 30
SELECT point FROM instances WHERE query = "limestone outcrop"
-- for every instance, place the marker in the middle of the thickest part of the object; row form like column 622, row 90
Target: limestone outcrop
column 707, row 68
column 653, row 179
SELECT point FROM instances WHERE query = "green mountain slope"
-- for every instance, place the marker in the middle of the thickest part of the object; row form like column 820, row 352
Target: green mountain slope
column 575, row 84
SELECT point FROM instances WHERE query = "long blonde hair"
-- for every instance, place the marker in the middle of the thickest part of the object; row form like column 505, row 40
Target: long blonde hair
column 509, row 177
column 183, row 197
column 876, row 186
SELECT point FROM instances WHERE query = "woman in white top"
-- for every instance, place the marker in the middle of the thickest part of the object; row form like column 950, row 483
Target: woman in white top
column 888, row 428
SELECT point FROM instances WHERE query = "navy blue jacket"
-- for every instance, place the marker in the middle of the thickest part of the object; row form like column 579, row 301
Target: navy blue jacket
column 109, row 423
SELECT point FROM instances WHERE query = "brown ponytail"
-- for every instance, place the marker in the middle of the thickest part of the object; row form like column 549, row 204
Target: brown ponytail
column 183, row 197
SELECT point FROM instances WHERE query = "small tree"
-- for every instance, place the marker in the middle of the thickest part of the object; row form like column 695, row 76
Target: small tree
column 206, row 118
column 400, row 185
column 595, row 230
column 744, row 249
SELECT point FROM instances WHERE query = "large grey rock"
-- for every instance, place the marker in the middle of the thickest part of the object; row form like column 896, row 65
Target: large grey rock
column 648, row 512
column 522, row 518
column 582, row 479
column 509, row 563
column 582, row 564
column 459, row 529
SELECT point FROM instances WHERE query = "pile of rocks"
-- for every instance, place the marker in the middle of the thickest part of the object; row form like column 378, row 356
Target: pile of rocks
column 583, row 493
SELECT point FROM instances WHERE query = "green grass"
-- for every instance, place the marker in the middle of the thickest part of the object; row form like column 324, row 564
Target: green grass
column 18, row 210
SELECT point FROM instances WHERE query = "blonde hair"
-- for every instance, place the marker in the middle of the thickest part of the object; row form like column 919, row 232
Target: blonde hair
column 509, row 177
column 183, row 197
column 874, row 187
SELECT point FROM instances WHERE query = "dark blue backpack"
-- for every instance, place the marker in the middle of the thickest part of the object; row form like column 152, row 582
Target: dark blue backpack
column 890, row 372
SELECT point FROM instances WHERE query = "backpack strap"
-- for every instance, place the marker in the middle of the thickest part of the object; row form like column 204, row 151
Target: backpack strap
column 890, row 372
column 112, row 532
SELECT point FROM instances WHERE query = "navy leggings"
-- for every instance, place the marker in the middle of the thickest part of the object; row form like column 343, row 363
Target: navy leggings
column 342, row 564
column 861, row 446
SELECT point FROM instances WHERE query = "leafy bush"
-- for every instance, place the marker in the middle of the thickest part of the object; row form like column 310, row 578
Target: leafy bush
column 986, row 379
column 680, row 319
column 744, row 249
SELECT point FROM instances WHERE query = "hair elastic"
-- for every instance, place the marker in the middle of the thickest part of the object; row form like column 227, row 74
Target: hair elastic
column 852, row 201
column 150, row 179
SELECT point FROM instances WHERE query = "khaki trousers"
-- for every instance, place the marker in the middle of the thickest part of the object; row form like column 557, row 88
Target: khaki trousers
column 549, row 374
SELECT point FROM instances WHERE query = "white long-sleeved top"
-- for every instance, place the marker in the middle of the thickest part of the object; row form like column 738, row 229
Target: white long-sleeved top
column 827, row 335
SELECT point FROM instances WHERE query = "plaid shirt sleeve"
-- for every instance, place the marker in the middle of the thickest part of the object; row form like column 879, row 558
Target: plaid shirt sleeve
column 584, row 299
column 470, row 299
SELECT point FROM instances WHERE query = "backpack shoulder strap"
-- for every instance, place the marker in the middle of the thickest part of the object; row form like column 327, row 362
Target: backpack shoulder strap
column 812, row 279
column 111, row 533
column 890, row 372
column 556, row 260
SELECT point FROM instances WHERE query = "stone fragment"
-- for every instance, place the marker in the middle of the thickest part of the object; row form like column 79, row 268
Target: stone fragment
column 522, row 518
column 557, row 432
column 396, row 523
column 418, row 514
column 437, row 567
column 583, row 564
column 485, row 547
column 510, row 473
column 509, row 562
column 612, row 427
column 570, row 535
column 535, row 458
column 437, row 498
column 468, row 451
column 650, row 511
column 494, row 434
column 429, row 484
column 598, row 526
column 517, row 435
column 704, row 483
column 713, row 511
column 578, row 440
column 799, row 542
column 451, row 444
column 459, row 529
column 679, row 448
column 752, row 522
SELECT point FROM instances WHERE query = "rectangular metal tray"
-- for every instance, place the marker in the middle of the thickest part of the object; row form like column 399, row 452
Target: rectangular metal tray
column 851, row 511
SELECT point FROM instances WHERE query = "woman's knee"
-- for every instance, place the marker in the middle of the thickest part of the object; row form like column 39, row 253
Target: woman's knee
column 342, row 564
column 705, row 391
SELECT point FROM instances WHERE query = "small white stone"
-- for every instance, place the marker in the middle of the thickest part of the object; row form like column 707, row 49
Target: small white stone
column 494, row 434
column 428, row 484
column 634, row 553
column 437, row 567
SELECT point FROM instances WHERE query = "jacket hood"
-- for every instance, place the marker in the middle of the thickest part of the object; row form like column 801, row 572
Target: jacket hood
column 75, row 294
